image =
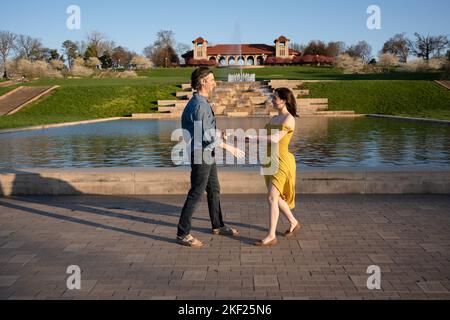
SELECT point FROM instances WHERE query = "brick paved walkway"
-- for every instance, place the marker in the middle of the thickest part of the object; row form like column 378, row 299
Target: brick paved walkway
column 125, row 248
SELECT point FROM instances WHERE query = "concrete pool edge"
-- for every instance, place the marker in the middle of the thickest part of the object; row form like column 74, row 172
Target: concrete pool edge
column 171, row 118
column 410, row 119
column 176, row 181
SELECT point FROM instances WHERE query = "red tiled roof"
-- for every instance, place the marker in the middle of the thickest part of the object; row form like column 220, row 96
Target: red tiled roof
column 244, row 49
column 199, row 40
column 282, row 39
column 254, row 49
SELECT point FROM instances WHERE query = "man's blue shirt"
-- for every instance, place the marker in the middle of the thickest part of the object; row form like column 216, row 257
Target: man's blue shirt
column 199, row 110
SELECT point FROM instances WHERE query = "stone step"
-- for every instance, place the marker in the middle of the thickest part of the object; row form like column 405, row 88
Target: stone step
column 143, row 116
column 167, row 102
column 170, row 109
column 301, row 93
column 181, row 104
column 185, row 94
column 261, row 112
column 335, row 113
column 311, row 109
column 186, row 86
column 237, row 114
column 259, row 100
column 306, row 101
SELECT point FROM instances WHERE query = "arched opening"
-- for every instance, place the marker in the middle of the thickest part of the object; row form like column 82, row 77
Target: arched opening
column 241, row 61
column 213, row 59
column 222, row 61
column 250, row 61
column 231, row 61
column 260, row 61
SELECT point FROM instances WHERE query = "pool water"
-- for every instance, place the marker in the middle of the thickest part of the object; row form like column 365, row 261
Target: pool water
column 318, row 142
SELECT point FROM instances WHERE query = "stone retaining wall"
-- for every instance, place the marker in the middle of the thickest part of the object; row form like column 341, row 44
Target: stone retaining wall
column 175, row 181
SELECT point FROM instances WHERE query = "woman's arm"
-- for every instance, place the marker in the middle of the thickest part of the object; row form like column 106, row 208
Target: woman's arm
column 274, row 138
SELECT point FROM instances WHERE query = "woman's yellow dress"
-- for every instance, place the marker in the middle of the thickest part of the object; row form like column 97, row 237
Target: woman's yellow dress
column 284, row 177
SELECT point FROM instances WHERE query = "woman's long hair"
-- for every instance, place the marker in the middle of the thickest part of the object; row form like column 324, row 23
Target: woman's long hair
column 288, row 96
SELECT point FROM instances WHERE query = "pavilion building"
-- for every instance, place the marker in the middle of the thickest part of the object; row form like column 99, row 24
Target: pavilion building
column 244, row 54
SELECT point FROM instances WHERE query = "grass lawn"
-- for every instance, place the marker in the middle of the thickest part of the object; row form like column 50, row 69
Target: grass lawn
column 417, row 98
column 296, row 72
column 83, row 99
column 95, row 99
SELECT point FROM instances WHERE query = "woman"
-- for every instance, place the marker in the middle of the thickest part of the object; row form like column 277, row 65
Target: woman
column 281, row 185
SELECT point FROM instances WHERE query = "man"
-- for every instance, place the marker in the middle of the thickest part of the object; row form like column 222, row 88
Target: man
column 204, row 173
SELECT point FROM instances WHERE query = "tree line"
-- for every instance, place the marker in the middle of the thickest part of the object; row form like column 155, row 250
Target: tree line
column 425, row 47
column 97, row 50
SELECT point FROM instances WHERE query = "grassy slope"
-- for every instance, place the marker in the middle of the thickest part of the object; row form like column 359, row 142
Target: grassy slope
column 408, row 98
column 81, row 99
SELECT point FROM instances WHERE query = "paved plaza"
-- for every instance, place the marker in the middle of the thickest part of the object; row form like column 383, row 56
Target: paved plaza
column 125, row 249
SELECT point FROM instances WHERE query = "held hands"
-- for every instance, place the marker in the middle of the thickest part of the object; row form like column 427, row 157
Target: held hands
column 237, row 153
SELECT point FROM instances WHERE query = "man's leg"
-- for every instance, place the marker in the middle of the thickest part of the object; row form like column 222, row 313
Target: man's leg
column 199, row 179
column 213, row 191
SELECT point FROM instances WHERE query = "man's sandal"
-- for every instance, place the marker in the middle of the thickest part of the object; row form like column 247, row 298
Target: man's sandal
column 225, row 231
column 190, row 241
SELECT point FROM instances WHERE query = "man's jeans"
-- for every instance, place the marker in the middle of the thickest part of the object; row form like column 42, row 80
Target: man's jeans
column 203, row 177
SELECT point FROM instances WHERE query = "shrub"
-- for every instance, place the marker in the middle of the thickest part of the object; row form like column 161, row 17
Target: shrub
column 78, row 62
column 141, row 63
column 204, row 62
column 126, row 74
column 32, row 70
column 348, row 64
column 415, row 65
column 388, row 60
column 57, row 65
column 80, row 71
column 437, row 63
column 93, row 62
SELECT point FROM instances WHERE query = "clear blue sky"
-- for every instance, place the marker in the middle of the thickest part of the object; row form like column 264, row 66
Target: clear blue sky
column 134, row 23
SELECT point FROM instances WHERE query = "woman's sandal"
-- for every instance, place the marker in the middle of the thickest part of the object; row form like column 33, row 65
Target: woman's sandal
column 260, row 243
column 290, row 234
column 190, row 241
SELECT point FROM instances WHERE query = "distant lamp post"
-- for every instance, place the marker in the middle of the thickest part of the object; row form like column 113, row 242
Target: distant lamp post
column 166, row 61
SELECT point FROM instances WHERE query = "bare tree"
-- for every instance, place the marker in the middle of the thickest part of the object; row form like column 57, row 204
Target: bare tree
column 361, row 50
column 106, row 46
column 162, row 52
column 28, row 48
column 398, row 46
column 7, row 43
column 82, row 47
column 165, row 38
column 182, row 48
column 70, row 49
column 427, row 47
column 335, row 48
column 98, row 42
column 297, row 46
column 316, row 48
column 148, row 52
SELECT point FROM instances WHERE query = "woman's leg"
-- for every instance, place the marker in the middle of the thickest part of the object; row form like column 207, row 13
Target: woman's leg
column 284, row 208
column 273, row 198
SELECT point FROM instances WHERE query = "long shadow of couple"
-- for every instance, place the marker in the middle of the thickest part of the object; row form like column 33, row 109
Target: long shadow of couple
column 97, row 205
